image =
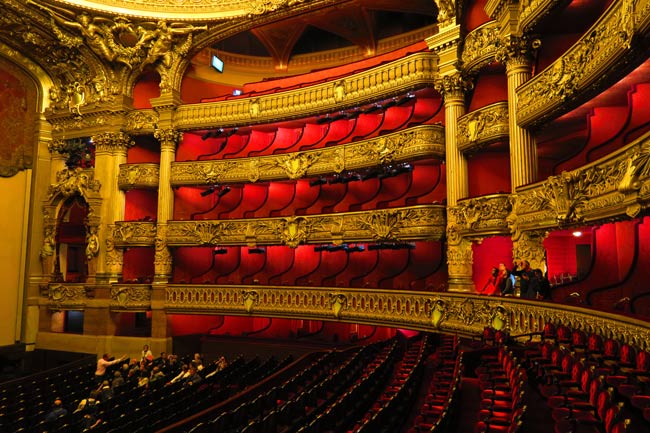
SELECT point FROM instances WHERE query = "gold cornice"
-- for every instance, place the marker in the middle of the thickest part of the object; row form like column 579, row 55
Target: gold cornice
column 613, row 188
column 138, row 176
column 446, row 312
column 97, row 122
column 415, row 71
column 586, row 68
column 424, row 222
column 426, row 141
column 483, row 127
column 480, row 47
column 186, row 10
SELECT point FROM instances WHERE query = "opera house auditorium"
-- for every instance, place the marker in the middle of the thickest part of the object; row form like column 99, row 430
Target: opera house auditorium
column 320, row 216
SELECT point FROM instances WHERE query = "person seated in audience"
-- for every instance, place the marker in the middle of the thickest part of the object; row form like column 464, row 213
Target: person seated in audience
column 162, row 362
column 185, row 372
column 157, row 376
column 118, row 381
column 198, row 364
column 143, row 380
column 222, row 363
column 89, row 422
column 193, row 378
column 57, row 411
column 105, row 390
column 89, row 405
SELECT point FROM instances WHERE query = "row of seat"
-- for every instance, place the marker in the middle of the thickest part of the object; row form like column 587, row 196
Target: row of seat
column 442, row 394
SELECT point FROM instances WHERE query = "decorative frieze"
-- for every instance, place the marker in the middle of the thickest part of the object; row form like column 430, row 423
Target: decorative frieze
column 426, row 222
column 479, row 217
column 138, row 176
column 425, row 141
column 130, row 297
column 480, row 47
column 141, row 122
column 66, row 296
column 586, row 67
column 414, row 71
column 72, row 182
column 133, row 233
column 609, row 189
column 447, row 312
column 483, row 127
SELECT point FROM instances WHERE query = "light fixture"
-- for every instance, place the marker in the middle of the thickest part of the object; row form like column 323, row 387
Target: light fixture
column 577, row 233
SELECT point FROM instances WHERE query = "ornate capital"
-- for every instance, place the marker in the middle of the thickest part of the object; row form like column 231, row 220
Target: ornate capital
column 453, row 86
column 516, row 51
column 168, row 138
column 113, row 142
column 530, row 246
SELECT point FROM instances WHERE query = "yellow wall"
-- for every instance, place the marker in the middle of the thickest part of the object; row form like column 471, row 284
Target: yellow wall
column 13, row 243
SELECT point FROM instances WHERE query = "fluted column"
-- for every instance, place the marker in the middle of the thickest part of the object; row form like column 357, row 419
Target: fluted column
column 169, row 139
column 517, row 53
column 459, row 251
column 110, row 152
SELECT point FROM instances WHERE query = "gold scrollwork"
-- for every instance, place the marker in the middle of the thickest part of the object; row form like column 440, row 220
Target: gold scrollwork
column 131, row 297
column 76, row 181
column 414, row 143
column 483, row 127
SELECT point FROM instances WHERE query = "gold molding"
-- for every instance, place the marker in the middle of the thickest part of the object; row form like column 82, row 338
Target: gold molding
column 483, row 127
column 612, row 188
column 424, row 222
column 67, row 296
column 587, row 66
column 414, row 71
column 464, row 314
column 204, row 10
column 130, row 297
column 133, row 233
column 145, row 175
column 479, row 217
column 426, row 141
column 480, row 47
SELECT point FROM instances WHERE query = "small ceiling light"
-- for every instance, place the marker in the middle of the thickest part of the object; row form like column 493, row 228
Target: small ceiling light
column 577, row 234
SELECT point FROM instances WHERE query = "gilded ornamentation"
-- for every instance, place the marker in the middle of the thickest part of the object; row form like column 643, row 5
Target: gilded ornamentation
column 407, row 224
column 294, row 231
column 141, row 121
column 529, row 246
column 133, row 233
column 250, row 298
column 130, row 297
column 92, row 243
column 48, row 249
column 295, row 165
column 71, row 182
column 465, row 314
column 479, row 216
column 138, row 176
column 114, row 258
column 600, row 192
column 414, row 143
column 482, row 127
column 168, row 136
column 454, row 85
column 62, row 296
column 446, row 12
column 339, row 302
column 162, row 257
column 532, row 11
column 517, row 49
column 112, row 141
column 480, row 46
column 385, row 81
column 586, row 66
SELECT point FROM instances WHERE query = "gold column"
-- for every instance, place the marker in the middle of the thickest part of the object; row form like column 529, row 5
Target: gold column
column 459, row 251
column 110, row 152
column 169, row 139
column 516, row 52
